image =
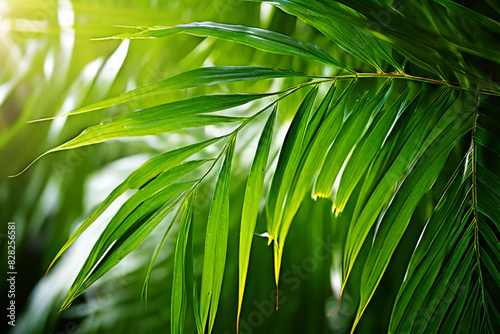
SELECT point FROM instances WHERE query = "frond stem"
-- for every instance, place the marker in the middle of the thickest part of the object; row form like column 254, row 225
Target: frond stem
column 409, row 77
column 474, row 195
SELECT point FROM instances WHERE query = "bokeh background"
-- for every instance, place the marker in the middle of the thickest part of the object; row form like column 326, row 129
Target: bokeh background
column 49, row 66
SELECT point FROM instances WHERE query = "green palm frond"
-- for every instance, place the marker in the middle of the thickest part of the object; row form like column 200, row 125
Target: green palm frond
column 374, row 143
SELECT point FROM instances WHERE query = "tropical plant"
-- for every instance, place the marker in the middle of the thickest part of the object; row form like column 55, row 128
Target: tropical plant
column 396, row 123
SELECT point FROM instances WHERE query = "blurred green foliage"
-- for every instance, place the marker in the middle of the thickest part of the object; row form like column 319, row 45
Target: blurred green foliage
column 51, row 65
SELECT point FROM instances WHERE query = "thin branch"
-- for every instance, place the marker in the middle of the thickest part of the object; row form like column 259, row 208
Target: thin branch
column 412, row 78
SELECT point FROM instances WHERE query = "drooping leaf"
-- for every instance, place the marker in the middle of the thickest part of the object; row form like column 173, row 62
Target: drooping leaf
column 430, row 253
column 319, row 139
column 124, row 237
column 379, row 195
column 399, row 212
column 320, row 131
column 288, row 161
column 214, row 259
column 144, row 174
column 179, row 283
column 451, row 270
column 287, row 164
column 250, row 209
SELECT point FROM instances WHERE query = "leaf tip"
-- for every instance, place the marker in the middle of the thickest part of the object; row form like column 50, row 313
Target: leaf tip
column 65, row 306
column 50, row 266
column 336, row 211
column 319, row 194
column 26, row 168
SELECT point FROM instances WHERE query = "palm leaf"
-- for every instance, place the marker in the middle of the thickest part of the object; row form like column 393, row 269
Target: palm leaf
column 250, row 209
column 261, row 39
column 197, row 77
column 179, row 285
column 375, row 144
column 454, row 259
column 214, row 259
